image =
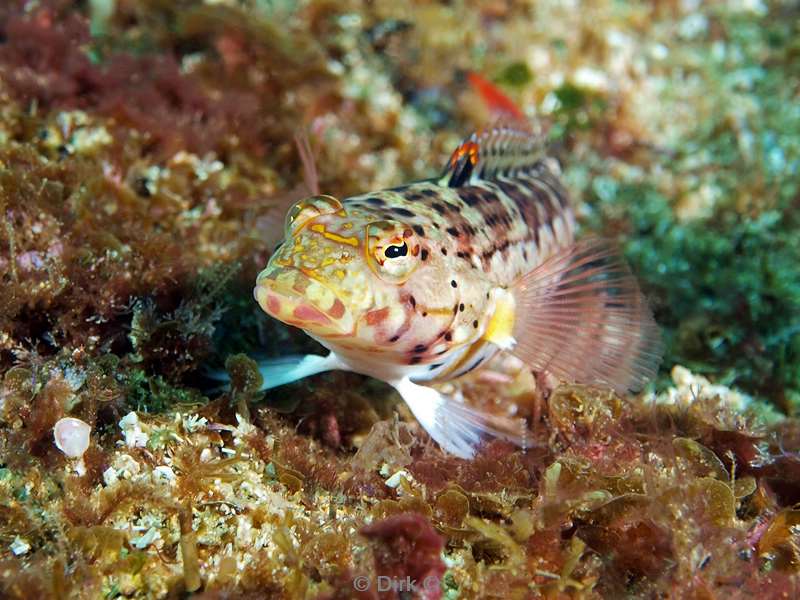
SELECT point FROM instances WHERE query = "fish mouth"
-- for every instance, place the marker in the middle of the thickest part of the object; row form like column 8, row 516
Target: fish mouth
column 294, row 297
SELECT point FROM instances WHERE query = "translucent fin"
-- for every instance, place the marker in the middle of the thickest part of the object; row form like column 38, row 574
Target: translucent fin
column 310, row 174
column 457, row 428
column 286, row 369
column 581, row 317
column 500, row 105
column 270, row 224
column 491, row 153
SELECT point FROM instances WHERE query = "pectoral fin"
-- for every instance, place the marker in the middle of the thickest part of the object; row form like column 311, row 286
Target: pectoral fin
column 581, row 317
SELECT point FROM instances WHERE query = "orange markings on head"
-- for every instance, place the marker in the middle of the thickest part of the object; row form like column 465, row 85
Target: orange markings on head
column 337, row 310
column 374, row 317
column 273, row 304
column 309, row 314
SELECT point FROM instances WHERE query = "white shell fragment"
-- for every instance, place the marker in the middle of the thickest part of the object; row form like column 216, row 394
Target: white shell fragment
column 72, row 436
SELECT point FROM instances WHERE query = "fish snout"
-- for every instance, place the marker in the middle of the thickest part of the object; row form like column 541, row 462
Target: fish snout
column 293, row 297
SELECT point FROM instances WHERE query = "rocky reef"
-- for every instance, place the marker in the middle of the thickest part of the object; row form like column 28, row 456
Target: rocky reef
column 147, row 158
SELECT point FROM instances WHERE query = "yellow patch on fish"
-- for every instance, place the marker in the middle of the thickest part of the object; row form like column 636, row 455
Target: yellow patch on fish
column 500, row 328
column 320, row 296
column 319, row 228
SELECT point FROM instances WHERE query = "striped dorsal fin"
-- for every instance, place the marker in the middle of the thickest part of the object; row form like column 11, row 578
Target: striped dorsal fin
column 491, row 153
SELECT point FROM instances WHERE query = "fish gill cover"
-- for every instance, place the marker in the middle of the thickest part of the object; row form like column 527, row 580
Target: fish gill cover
column 146, row 163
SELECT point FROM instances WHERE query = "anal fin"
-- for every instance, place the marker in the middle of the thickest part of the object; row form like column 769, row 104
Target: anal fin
column 581, row 317
column 457, row 428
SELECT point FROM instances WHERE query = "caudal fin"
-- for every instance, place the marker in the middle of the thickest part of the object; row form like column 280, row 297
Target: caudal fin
column 581, row 317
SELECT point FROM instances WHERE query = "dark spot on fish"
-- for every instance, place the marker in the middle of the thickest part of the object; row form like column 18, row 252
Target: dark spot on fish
column 394, row 338
column 438, row 208
column 444, row 251
column 403, row 212
column 376, row 201
column 464, row 255
column 424, row 314
column 413, row 301
column 461, row 307
column 452, row 206
column 420, row 348
column 470, row 230
column 475, row 324
column 453, row 283
column 419, row 230
column 429, row 193
column 525, row 254
column 435, row 366
column 415, row 360
column 413, row 197
column 453, row 231
column 424, row 254
column 471, row 198
column 448, row 336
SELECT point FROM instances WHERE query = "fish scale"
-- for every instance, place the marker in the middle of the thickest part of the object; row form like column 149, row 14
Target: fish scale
column 427, row 281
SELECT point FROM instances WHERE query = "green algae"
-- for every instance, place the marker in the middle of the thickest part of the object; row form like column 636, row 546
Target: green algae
column 723, row 280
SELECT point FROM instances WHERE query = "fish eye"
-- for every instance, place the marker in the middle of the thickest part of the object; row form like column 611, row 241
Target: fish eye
column 392, row 250
column 396, row 251
column 307, row 209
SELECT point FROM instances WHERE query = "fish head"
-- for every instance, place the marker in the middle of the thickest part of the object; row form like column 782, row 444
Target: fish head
column 310, row 279
column 356, row 280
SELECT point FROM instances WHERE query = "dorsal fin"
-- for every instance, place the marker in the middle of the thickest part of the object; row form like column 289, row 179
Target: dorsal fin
column 499, row 151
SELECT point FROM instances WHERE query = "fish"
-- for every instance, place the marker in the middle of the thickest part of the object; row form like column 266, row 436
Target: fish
column 425, row 282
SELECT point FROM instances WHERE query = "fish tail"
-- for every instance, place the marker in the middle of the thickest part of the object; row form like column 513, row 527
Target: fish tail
column 581, row 317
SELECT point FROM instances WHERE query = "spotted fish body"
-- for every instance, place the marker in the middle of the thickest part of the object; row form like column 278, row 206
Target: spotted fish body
column 427, row 281
column 477, row 240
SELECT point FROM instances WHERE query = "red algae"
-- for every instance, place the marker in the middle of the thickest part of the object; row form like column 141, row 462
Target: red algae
column 407, row 551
